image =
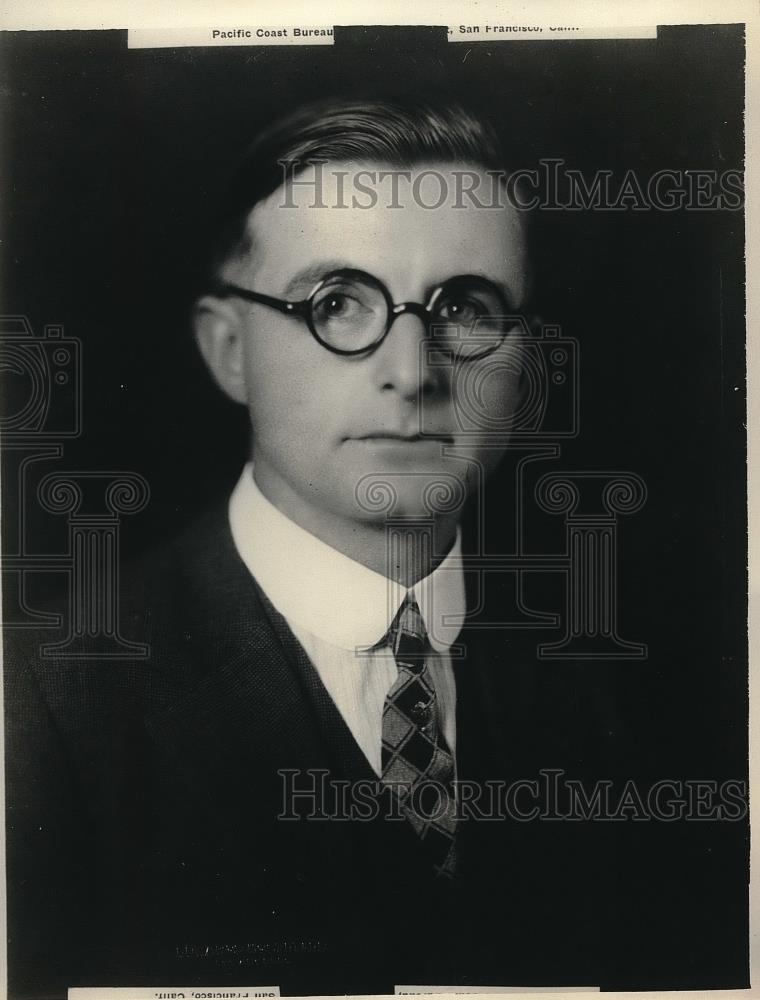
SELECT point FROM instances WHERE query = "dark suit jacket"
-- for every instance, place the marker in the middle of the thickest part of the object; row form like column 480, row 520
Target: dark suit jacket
column 144, row 845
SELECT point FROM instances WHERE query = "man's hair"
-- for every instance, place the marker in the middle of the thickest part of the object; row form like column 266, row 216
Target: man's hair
column 399, row 133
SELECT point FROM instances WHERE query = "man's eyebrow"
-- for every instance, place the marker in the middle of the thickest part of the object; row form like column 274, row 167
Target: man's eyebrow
column 305, row 279
column 508, row 292
column 501, row 284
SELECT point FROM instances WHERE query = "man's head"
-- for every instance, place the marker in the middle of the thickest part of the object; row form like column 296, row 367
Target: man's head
column 371, row 200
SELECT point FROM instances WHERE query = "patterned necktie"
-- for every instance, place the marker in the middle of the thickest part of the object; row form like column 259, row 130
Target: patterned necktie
column 416, row 761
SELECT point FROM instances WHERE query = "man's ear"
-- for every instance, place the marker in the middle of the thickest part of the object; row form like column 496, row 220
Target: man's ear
column 219, row 333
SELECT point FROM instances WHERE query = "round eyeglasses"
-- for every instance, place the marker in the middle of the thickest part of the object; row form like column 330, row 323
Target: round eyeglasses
column 351, row 312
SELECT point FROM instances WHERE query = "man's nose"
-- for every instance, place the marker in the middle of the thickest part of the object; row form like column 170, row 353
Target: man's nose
column 401, row 361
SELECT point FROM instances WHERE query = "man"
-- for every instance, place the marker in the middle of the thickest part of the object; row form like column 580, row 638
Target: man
column 188, row 818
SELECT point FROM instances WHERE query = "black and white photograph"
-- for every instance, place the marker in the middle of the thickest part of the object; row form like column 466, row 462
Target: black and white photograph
column 374, row 505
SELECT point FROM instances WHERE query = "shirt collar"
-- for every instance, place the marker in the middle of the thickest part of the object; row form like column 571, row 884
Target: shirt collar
column 320, row 590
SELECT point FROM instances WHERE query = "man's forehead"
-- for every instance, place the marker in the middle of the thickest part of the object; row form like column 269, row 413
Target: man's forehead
column 372, row 188
column 403, row 224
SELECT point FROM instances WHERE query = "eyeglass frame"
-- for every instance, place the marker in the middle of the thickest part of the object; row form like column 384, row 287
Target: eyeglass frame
column 303, row 307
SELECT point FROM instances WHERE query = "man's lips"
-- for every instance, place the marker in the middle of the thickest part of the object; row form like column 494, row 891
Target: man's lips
column 406, row 438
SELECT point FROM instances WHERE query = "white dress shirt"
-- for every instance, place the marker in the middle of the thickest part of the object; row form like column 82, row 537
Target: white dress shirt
column 339, row 610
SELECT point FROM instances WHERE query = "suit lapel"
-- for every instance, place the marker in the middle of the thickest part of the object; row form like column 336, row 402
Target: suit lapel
column 349, row 761
column 237, row 704
column 250, row 708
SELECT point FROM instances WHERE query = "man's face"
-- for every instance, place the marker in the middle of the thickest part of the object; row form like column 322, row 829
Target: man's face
column 336, row 435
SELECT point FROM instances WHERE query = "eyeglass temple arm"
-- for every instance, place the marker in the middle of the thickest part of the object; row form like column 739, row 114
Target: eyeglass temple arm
column 289, row 308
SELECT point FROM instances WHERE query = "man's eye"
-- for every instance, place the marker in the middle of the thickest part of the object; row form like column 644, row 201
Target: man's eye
column 338, row 305
column 334, row 305
column 460, row 310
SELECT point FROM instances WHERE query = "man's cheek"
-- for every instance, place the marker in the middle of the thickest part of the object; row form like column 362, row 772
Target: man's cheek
column 277, row 405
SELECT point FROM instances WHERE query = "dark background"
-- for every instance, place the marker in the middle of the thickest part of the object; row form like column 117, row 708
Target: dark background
column 111, row 159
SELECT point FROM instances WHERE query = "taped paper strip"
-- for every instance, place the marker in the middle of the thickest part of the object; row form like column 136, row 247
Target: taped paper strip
column 220, row 36
column 171, row 992
column 404, row 991
column 493, row 31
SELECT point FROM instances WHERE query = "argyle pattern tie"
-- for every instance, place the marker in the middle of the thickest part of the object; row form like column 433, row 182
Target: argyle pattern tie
column 417, row 764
